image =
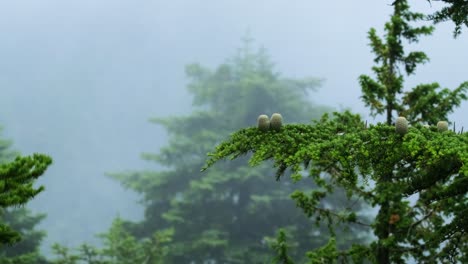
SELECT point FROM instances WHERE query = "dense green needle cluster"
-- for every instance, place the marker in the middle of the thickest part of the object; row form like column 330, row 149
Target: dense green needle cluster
column 340, row 151
column 17, row 179
column 19, row 240
column 454, row 10
column 385, row 94
column 16, row 186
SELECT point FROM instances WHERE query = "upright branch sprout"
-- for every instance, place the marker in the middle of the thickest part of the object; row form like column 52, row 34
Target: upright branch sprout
column 276, row 121
column 442, row 126
column 401, row 125
column 263, row 122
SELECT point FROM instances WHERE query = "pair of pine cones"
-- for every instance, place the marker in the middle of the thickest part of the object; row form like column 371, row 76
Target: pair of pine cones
column 274, row 123
column 401, row 125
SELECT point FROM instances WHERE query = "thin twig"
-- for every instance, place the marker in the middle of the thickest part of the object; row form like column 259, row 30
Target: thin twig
column 418, row 222
column 322, row 210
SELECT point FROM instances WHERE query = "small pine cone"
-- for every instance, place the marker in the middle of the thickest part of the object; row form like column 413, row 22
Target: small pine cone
column 263, row 123
column 393, row 219
column 276, row 121
column 401, row 125
column 442, row 126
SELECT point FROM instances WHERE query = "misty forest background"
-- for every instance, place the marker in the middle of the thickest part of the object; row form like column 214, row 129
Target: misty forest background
column 85, row 82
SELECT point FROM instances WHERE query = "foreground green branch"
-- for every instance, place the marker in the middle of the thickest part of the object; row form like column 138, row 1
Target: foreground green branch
column 341, row 152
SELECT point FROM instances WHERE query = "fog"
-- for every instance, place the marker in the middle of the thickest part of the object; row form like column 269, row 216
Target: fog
column 80, row 79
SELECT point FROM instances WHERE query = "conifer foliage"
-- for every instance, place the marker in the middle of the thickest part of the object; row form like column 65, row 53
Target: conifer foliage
column 427, row 103
column 120, row 247
column 19, row 240
column 454, row 10
column 416, row 176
